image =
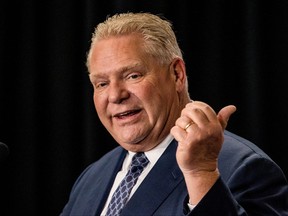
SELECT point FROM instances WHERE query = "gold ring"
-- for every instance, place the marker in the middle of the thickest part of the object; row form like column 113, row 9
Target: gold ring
column 188, row 125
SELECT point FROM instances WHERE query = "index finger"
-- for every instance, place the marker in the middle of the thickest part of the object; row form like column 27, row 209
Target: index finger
column 204, row 108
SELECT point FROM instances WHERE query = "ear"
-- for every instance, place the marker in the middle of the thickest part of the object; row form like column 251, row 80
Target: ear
column 179, row 72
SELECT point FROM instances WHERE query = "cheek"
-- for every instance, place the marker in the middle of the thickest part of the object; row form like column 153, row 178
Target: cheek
column 99, row 104
column 101, row 110
column 149, row 88
column 152, row 98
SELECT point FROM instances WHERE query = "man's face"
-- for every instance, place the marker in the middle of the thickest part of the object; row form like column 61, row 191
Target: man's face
column 135, row 98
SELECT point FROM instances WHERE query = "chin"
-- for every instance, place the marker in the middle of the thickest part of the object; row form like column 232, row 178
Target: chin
column 134, row 147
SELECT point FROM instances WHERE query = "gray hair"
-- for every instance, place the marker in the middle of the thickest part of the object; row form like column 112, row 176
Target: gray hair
column 159, row 38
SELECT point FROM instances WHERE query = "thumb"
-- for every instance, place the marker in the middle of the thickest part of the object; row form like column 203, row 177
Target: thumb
column 224, row 115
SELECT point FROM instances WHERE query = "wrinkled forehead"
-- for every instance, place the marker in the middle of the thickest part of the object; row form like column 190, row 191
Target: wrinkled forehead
column 116, row 54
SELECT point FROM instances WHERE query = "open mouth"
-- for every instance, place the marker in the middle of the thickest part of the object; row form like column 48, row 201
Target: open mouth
column 126, row 114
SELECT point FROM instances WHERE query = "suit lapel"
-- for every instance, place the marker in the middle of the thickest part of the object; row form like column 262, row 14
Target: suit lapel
column 158, row 184
column 109, row 171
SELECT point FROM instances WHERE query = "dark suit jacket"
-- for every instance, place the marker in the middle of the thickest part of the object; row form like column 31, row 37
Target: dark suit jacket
column 250, row 184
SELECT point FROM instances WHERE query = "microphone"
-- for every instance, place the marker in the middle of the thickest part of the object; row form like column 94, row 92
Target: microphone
column 4, row 151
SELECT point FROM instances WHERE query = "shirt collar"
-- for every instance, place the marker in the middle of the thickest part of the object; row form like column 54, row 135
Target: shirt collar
column 154, row 154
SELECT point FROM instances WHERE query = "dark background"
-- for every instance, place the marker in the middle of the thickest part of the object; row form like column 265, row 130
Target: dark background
column 236, row 53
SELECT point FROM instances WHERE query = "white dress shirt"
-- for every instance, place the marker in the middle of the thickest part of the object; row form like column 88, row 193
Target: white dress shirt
column 153, row 155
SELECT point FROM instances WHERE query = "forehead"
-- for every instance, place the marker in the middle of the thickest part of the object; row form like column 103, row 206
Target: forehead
column 115, row 52
column 117, row 47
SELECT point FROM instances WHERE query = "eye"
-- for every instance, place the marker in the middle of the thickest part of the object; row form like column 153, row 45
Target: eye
column 133, row 76
column 100, row 85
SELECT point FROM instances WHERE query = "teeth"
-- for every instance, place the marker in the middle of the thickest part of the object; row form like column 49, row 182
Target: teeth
column 123, row 114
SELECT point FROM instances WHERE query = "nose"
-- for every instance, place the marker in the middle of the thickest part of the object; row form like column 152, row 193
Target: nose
column 117, row 92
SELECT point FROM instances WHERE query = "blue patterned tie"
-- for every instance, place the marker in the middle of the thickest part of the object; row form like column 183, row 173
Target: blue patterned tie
column 120, row 196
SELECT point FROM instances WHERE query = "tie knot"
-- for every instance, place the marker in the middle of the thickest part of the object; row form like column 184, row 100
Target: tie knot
column 139, row 160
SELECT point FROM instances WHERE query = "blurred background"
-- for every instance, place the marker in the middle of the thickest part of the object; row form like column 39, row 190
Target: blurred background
column 236, row 52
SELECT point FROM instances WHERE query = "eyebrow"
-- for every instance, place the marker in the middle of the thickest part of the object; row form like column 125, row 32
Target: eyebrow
column 121, row 70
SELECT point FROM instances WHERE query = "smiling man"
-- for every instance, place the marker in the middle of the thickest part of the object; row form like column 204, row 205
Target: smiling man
column 191, row 164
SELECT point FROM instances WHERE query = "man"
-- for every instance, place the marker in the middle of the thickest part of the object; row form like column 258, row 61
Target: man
column 194, row 166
